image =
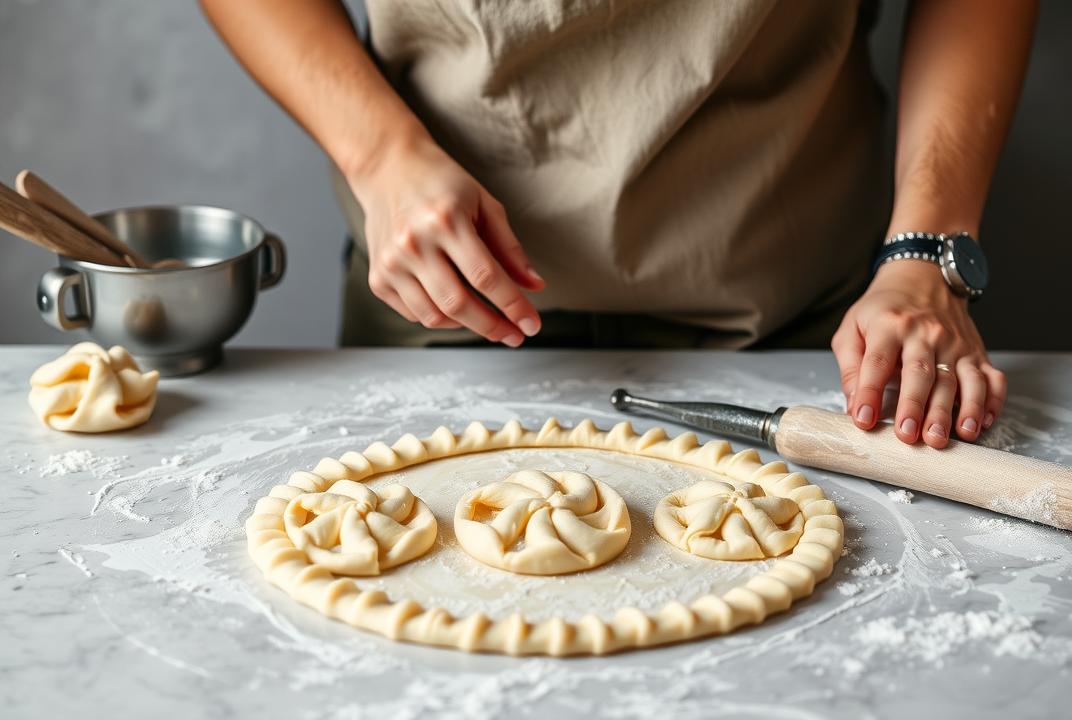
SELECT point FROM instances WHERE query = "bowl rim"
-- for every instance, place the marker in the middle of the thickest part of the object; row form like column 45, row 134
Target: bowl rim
column 212, row 209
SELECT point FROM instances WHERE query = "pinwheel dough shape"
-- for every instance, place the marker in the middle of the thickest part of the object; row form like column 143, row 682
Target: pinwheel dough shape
column 792, row 576
column 543, row 523
column 722, row 521
column 351, row 530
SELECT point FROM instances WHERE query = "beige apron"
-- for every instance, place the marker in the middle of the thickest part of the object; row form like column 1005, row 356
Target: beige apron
column 718, row 163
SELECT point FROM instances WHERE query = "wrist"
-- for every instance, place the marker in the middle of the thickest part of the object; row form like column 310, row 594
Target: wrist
column 366, row 161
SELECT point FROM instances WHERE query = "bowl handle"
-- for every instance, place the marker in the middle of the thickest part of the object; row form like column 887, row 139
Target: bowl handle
column 273, row 261
column 52, row 296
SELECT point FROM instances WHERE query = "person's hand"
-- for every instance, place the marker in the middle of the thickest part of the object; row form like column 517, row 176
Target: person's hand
column 910, row 323
column 431, row 228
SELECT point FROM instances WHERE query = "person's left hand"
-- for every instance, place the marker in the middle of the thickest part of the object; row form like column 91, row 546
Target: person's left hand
column 910, row 323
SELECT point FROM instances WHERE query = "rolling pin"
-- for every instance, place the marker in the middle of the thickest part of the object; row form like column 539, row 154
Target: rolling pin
column 1000, row 481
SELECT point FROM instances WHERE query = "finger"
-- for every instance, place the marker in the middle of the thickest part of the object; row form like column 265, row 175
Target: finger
column 493, row 226
column 421, row 306
column 996, row 388
column 881, row 355
column 848, row 349
column 476, row 264
column 917, row 379
column 458, row 303
column 381, row 289
column 940, row 408
column 972, row 385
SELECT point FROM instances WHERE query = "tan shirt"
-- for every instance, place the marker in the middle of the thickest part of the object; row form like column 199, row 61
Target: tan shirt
column 717, row 162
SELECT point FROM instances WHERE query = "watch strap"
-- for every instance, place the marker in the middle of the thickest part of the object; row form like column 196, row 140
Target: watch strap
column 912, row 245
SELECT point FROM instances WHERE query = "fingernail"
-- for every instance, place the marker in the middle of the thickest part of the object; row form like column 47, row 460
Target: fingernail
column 909, row 427
column 988, row 420
column 534, row 274
column 848, row 402
column 937, row 430
column 529, row 326
column 969, row 425
column 866, row 414
column 513, row 340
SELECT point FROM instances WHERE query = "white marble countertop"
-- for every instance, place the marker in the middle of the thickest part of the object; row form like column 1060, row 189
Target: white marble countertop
column 127, row 591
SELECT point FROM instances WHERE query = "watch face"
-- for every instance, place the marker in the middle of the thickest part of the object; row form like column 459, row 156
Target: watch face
column 970, row 262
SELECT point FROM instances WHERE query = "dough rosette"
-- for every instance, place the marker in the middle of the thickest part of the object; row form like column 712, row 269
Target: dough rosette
column 351, row 530
column 543, row 523
column 721, row 521
column 91, row 390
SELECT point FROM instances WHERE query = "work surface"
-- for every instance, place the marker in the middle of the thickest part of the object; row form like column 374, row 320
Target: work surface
column 127, row 591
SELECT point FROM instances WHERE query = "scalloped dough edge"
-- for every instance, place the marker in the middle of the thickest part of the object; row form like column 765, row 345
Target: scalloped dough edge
column 790, row 578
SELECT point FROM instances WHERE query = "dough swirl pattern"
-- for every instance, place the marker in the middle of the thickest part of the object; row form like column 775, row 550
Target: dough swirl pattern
column 543, row 523
column 351, row 530
column 721, row 521
column 792, row 577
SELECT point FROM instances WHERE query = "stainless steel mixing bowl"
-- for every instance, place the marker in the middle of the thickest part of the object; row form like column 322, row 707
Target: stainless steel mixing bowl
column 174, row 320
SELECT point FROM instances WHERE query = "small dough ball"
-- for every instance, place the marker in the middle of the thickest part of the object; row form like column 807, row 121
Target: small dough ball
column 543, row 523
column 722, row 521
column 91, row 390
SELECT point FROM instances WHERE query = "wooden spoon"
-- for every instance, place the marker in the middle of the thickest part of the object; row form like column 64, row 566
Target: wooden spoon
column 32, row 222
column 32, row 187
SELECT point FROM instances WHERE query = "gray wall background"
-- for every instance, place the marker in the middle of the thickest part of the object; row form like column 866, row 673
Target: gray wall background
column 126, row 102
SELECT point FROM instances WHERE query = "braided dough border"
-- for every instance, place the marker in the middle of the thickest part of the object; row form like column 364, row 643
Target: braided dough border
column 791, row 578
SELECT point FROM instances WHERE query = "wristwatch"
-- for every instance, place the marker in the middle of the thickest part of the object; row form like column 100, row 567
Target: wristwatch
column 960, row 257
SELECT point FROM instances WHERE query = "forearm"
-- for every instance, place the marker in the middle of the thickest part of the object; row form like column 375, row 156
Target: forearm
column 962, row 67
column 306, row 55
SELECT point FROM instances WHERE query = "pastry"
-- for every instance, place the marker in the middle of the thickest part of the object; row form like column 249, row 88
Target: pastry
column 91, row 390
column 543, row 523
column 722, row 521
column 351, row 530
column 791, row 577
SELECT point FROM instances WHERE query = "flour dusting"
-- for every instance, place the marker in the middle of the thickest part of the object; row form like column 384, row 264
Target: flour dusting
column 901, row 496
column 80, row 461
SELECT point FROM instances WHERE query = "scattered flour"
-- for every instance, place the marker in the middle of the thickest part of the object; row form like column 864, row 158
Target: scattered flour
column 174, row 461
column 850, row 589
column 1038, row 505
column 872, row 568
column 936, row 553
column 901, row 496
column 935, row 638
column 80, row 461
column 75, row 559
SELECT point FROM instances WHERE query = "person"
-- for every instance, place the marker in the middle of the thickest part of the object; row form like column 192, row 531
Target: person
column 684, row 174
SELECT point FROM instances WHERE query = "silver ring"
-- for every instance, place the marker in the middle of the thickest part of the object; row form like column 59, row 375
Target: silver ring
column 943, row 366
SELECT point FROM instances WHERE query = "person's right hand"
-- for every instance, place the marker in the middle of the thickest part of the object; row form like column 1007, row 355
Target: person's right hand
column 430, row 228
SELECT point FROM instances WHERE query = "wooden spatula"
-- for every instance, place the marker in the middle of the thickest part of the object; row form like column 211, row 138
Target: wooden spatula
column 32, row 222
column 33, row 188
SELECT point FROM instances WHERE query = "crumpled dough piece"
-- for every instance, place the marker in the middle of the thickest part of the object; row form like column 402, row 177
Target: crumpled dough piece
column 721, row 521
column 91, row 390
column 543, row 523
column 351, row 530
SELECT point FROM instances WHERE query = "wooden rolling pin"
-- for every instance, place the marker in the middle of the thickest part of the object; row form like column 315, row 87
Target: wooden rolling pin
column 1011, row 484
column 32, row 222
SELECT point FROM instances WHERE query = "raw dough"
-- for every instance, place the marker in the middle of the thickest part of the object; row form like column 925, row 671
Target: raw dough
column 543, row 523
column 351, row 530
column 792, row 577
column 722, row 521
column 92, row 390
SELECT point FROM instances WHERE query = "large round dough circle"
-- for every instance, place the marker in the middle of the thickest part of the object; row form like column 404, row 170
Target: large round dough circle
column 789, row 578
